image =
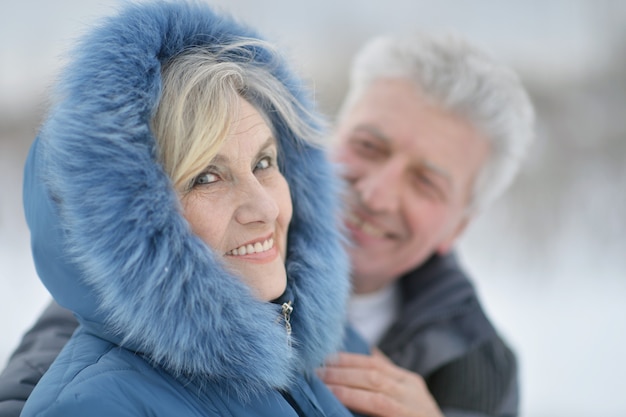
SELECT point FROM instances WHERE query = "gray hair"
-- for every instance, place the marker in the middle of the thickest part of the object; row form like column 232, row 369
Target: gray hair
column 466, row 80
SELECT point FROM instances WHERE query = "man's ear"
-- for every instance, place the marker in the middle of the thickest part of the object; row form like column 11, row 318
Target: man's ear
column 446, row 245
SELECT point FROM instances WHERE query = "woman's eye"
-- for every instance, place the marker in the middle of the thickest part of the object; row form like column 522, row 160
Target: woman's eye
column 206, row 178
column 264, row 163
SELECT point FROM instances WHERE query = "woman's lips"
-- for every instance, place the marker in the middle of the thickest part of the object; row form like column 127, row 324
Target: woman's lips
column 251, row 248
column 260, row 251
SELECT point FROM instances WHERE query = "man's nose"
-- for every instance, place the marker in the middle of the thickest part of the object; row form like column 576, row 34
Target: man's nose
column 256, row 203
column 379, row 189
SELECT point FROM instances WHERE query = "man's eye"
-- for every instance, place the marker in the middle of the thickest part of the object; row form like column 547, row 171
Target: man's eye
column 427, row 186
column 206, row 178
column 367, row 148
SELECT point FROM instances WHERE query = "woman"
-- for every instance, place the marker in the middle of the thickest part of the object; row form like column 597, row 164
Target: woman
column 177, row 209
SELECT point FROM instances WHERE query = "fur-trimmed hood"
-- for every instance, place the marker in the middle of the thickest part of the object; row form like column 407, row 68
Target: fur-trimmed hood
column 108, row 237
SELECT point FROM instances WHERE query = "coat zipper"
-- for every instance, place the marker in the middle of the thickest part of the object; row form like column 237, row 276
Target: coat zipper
column 287, row 309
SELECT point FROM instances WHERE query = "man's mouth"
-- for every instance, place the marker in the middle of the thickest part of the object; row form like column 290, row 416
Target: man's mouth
column 364, row 226
column 250, row 248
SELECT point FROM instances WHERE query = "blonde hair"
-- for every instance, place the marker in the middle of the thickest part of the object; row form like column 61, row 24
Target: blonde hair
column 199, row 103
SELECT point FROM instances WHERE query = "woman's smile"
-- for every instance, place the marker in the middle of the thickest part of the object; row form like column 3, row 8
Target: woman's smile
column 260, row 250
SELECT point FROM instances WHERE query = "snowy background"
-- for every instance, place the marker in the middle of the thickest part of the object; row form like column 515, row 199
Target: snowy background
column 549, row 258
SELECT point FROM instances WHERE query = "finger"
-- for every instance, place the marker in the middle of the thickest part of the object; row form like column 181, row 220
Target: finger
column 355, row 360
column 367, row 402
column 381, row 358
column 350, row 360
column 375, row 362
column 360, row 378
column 377, row 353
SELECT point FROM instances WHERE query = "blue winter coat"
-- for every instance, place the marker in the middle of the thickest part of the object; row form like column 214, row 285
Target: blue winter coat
column 164, row 329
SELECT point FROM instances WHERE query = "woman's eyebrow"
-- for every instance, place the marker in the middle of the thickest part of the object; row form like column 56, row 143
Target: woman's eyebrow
column 222, row 159
column 269, row 142
column 219, row 159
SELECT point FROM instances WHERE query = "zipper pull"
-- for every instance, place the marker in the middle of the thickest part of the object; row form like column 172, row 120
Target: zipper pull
column 287, row 309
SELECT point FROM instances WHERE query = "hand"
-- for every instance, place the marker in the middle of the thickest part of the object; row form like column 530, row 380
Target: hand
column 374, row 386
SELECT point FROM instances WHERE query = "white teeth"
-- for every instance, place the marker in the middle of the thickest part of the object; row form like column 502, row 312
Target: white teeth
column 366, row 227
column 258, row 247
column 371, row 230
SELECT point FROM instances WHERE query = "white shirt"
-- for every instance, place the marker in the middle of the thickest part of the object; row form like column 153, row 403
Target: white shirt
column 372, row 314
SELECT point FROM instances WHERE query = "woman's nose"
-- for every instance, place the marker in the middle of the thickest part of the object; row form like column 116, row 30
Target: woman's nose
column 256, row 203
column 379, row 189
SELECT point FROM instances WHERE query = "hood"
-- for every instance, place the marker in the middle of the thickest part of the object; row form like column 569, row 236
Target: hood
column 110, row 243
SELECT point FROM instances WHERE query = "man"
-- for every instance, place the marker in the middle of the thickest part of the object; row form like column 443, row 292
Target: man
column 431, row 131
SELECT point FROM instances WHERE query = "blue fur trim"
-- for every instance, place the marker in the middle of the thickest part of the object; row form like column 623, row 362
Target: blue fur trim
column 156, row 287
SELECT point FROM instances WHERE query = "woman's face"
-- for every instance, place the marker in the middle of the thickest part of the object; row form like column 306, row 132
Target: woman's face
column 241, row 207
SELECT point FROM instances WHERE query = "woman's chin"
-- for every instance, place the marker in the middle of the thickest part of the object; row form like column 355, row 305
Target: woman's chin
column 268, row 281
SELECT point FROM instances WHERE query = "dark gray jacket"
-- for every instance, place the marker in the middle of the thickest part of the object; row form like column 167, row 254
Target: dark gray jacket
column 443, row 334
column 37, row 350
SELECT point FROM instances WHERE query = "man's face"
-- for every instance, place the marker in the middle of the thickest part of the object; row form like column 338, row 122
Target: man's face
column 410, row 166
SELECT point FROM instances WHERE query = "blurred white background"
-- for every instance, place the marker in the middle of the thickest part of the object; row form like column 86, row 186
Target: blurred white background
column 549, row 258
